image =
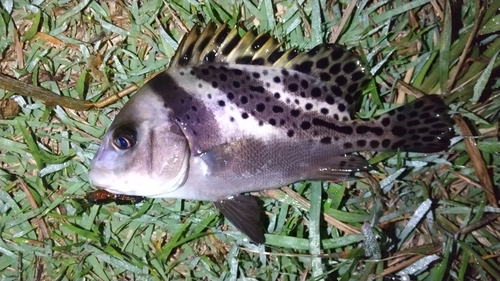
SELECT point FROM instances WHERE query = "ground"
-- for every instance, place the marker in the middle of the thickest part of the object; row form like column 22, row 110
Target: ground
column 417, row 216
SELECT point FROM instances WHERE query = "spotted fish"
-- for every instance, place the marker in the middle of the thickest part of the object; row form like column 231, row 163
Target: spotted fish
column 234, row 114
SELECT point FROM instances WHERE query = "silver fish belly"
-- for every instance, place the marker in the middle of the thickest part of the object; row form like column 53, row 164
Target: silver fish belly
column 225, row 121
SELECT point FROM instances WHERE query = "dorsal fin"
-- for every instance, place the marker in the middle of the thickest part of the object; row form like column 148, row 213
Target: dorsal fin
column 339, row 69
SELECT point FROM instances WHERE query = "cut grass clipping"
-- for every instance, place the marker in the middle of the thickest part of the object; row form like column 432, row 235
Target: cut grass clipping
column 415, row 217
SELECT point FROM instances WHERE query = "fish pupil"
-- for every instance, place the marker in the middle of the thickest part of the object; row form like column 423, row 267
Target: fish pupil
column 124, row 138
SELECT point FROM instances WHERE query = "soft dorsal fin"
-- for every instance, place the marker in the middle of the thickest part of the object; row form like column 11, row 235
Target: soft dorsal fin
column 339, row 69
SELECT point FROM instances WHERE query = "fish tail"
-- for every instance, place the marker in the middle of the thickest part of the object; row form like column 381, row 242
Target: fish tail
column 422, row 125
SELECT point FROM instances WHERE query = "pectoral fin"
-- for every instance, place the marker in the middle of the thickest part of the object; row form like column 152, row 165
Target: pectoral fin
column 244, row 213
column 341, row 168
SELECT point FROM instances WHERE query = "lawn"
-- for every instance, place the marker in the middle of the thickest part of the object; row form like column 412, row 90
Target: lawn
column 414, row 217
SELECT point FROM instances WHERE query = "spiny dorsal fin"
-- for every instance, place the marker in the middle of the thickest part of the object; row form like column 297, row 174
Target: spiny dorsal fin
column 339, row 69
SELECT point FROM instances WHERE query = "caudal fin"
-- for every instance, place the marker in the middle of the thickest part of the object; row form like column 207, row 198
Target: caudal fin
column 422, row 125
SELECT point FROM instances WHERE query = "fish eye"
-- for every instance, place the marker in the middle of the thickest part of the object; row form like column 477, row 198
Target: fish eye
column 124, row 138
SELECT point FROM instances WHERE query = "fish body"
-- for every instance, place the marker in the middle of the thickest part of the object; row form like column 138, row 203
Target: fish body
column 237, row 114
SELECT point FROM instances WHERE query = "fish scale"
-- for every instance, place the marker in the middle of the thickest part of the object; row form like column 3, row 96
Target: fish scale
column 234, row 114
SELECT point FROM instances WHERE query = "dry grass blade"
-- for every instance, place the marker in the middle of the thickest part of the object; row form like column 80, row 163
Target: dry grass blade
column 345, row 17
column 477, row 161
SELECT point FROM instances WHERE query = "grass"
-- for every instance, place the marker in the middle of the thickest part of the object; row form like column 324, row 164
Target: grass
column 427, row 217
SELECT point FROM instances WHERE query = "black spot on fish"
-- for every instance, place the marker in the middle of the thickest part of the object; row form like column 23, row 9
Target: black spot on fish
column 335, row 69
column 290, row 133
column 341, row 107
column 352, row 88
column 423, row 130
column 277, row 109
column 293, row 87
column 244, row 115
column 258, row 89
column 305, row 125
column 362, row 129
column 428, row 138
column 324, row 111
column 261, row 123
column 209, row 96
column 221, row 103
column 230, row 95
column 398, row 144
column 231, row 119
column 285, row 72
column 304, row 84
column 222, row 77
column 336, row 91
column 215, row 84
column 194, row 108
column 374, row 144
column 400, row 117
column 244, row 100
column 386, row 121
column 295, row 112
column 272, row 121
column 260, row 107
column 341, row 80
column 349, row 67
column 205, row 71
column 425, row 115
column 386, row 143
column 315, row 92
column 349, row 99
column 413, row 123
column 277, row 79
column 329, row 99
column 277, row 96
column 304, row 67
column 361, row 143
column 256, row 75
column 358, row 75
column 325, row 76
column 398, row 131
column 431, row 120
column 337, row 54
column 309, row 106
column 326, row 140
column 322, row 63
column 237, row 71
column 236, row 84
column 200, row 85
column 347, row 145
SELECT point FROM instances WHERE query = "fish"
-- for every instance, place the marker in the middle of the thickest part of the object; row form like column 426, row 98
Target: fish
column 237, row 112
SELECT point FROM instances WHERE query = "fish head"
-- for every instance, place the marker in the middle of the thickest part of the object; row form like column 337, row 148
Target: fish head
column 144, row 152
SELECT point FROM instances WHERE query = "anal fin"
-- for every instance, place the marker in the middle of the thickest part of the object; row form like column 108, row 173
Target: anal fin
column 244, row 213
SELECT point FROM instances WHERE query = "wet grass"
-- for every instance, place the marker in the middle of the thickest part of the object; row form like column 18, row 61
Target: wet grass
column 432, row 217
